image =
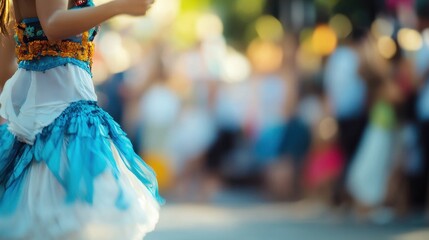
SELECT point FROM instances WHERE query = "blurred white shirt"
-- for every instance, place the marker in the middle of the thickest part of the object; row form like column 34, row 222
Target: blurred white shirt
column 345, row 87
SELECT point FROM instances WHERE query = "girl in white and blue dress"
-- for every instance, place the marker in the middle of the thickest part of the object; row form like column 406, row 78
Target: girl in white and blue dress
column 67, row 170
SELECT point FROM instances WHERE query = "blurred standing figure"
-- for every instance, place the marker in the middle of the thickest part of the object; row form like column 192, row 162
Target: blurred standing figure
column 419, row 183
column 159, row 109
column 372, row 164
column 346, row 93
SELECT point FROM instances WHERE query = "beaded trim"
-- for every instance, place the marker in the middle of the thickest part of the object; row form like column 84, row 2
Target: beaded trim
column 33, row 50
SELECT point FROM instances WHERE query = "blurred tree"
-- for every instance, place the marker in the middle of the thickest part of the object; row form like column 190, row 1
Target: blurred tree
column 237, row 16
column 422, row 8
column 361, row 12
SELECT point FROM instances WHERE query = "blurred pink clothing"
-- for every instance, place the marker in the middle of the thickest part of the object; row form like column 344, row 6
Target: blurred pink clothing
column 323, row 166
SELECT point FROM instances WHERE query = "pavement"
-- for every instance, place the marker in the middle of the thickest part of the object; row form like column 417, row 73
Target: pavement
column 242, row 217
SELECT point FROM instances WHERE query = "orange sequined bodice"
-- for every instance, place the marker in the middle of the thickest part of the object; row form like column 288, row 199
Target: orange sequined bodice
column 35, row 52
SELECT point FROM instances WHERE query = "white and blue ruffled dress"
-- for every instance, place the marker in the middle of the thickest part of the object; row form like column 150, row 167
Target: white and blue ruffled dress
column 67, row 170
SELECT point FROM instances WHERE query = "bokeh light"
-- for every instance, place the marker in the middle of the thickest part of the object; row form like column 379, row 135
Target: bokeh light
column 382, row 27
column 410, row 39
column 164, row 12
column 269, row 28
column 341, row 25
column 324, row 40
column 117, row 58
column 386, row 47
column 265, row 56
column 236, row 67
column 209, row 26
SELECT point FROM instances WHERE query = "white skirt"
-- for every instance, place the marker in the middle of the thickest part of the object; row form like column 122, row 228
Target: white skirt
column 371, row 167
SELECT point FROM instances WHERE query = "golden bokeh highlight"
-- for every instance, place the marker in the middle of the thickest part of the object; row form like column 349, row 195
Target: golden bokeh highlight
column 324, row 40
column 265, row 56
column 410, row 39
column 386, row 47
column 161, row 165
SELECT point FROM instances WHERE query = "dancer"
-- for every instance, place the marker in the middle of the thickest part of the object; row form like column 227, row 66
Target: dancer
column 67, row 170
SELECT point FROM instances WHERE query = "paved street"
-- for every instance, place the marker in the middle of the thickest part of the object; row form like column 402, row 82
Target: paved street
column 258, row 220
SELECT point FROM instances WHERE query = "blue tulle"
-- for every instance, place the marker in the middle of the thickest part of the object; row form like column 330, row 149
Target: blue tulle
column 76, row 147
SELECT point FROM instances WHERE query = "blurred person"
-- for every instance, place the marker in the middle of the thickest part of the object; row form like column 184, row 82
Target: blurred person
column 267, row 120
column 284, row 137
column 190, row 139
column 274, row 100
column 67, row 170
column 132, row 85
column 325, row 161
column 159, row 109
column 419, row 185
column 372, row 165
column 283, row 173
column 110, row 99
column 195, row 129
column 228, row 158
column 346, row 93
column 407, row 153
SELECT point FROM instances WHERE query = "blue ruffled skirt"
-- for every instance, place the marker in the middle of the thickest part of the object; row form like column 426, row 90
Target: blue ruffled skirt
column 80, row 179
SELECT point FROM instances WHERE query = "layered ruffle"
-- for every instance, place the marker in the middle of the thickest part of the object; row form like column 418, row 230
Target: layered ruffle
column 77, row 147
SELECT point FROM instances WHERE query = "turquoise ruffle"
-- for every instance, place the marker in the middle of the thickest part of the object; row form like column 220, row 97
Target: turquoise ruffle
column 85, row 133
column 48, row 62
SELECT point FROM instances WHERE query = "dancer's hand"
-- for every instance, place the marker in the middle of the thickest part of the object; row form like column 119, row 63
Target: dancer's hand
column 135, row 7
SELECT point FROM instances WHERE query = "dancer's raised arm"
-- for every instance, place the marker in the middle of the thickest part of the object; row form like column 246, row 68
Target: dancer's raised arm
column 59, row 23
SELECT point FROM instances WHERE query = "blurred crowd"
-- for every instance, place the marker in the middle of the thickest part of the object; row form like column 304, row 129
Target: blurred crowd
column 329, row 104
